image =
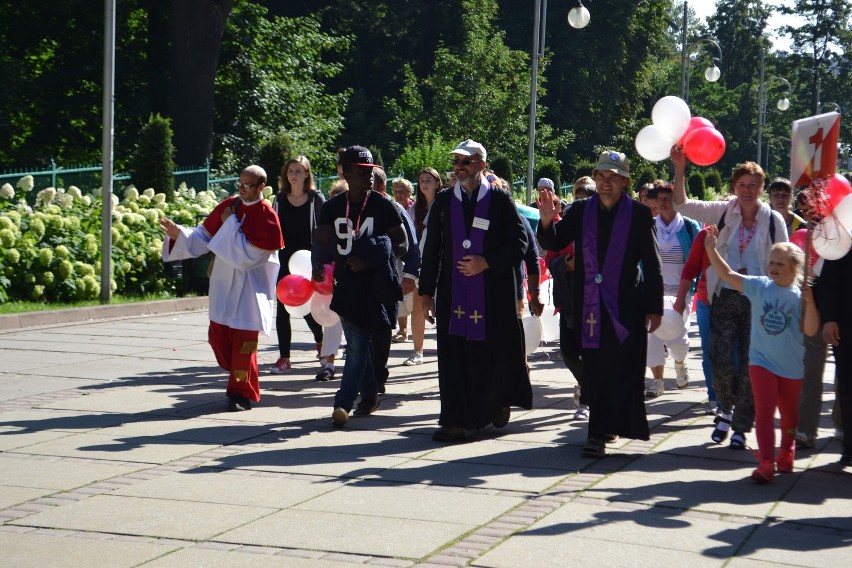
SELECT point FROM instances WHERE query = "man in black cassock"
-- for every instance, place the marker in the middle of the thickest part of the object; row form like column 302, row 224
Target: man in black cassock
column 835, row 308
column 617, row 300
column 474, row 239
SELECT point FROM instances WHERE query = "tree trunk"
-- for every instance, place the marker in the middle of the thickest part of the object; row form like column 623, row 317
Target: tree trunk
column 197, row 27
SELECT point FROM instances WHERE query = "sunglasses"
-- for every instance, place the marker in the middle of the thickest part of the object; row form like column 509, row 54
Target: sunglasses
column 463, row 162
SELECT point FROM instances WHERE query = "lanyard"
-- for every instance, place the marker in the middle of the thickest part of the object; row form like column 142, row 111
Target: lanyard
column 751, row 233
column 363, row 207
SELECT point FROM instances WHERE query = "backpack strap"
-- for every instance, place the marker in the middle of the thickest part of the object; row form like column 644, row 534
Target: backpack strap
column 721, row 224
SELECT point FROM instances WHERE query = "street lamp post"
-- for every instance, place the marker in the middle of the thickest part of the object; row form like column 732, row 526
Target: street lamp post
column 578, row 17
column 782, row 104
column 711, row 74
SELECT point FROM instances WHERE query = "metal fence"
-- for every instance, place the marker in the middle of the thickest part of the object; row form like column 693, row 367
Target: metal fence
column 89, row 177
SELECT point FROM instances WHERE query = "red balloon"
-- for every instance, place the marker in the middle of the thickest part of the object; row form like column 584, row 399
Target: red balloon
column 327, row 286
column 695, row 123
column 704, row 146
column 799, row 238
column 838, row 188
column 294, row 290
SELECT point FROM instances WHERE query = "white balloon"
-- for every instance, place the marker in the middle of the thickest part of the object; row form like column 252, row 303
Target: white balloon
column 302, row 310
column 320, row 306
column 532, row 334
column 831, row 239
column 653, row 144
column 671, row 115
column 843, row 211
column 549, row 324
column 672, row 323
column 300, row 263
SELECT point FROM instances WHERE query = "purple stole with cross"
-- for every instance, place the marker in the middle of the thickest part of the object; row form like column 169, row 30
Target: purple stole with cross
column 467, row 313
column 603, row 285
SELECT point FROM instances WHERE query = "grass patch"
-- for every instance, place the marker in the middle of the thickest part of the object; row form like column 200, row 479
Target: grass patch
column 23, row 307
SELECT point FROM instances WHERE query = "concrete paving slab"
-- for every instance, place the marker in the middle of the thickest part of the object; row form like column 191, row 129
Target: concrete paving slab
column 196, row 557
column 378, row 499
column 206, row 485
column 818, row 498
column 35, row 550
column 63, row 420
column 204, row 430
column 146, row 517
column 586, row 534
column 12, row 387
column 309, row 462
column 562, row 460
column 57, row 474
column 152, row 450
column 15, row 439
column 484, row 476
column 11, row 495
column 686, row 483
column 796, row 544
column 142, row 399
column 91, row 349
column 119, row 367
column 348, row 532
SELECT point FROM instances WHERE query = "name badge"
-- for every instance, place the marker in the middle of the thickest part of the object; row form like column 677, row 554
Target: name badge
column 480, row 223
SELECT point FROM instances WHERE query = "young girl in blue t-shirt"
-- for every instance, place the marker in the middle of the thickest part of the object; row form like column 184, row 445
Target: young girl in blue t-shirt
column 776, row 353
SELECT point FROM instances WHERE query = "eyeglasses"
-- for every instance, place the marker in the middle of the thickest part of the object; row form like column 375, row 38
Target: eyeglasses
column 242, row 184
column 463, row 162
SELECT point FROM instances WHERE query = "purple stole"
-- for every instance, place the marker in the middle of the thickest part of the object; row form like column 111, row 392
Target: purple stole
column 467, row 313
column 603, row 285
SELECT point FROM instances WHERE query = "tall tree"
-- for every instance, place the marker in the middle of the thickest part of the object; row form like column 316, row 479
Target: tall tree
column 196, row 32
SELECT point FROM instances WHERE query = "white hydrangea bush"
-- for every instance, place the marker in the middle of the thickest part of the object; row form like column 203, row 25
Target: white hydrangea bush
column 51, row 240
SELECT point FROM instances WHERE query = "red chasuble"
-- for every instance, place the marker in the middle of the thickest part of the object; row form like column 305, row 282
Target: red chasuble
column 259, row 223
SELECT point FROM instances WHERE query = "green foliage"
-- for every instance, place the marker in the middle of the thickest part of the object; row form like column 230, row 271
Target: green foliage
column 51, row 251
column 502, row 167
column 713, row 180
column 153, row 158
column 695, row 185
column 641, row 174
column 273, row 154
column 583, row 168
column 550, row 168
column 477, row 88
column 272, row 79
column 433, row 153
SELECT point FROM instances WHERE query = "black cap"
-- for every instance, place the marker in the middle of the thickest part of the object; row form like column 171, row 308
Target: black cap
column 357, row 156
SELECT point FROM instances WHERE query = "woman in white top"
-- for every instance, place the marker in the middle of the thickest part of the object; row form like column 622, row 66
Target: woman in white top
column 747, row 230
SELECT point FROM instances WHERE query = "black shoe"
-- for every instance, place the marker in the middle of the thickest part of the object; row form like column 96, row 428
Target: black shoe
column 237, row 403
column 381, row 388
column 502, row 417
column 448, row 434
column 845, row 459
column 611, row 438
column 366, row 408
column 325, row 375
column 594, row 448
column 738, row 441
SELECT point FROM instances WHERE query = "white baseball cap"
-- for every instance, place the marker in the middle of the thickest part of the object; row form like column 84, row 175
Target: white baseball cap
column 469, row 148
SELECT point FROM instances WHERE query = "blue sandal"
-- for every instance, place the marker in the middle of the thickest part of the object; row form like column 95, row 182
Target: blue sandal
column 738, row 441
column 718, row 436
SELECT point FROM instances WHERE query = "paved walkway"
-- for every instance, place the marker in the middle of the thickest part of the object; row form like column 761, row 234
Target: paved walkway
column 116, row 451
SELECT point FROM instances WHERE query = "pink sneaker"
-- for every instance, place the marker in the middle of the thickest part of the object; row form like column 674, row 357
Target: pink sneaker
column 281, row 366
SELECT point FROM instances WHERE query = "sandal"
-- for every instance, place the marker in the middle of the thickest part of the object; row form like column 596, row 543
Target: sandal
column 582, row 413
column 738, row 441
column 718, row 436
column 400, row 337
column 594, row 449
column 326, row 374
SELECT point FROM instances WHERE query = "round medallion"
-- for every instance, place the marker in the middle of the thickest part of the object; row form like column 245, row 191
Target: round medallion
column 466, row 244
column 598, row 278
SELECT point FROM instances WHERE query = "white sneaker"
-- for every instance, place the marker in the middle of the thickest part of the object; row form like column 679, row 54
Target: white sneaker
column 416, row 359
column 655, row 389
column 681, row 375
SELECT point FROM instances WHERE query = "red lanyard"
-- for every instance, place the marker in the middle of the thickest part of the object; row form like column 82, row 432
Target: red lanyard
column 751, row 233
column 363, row 207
